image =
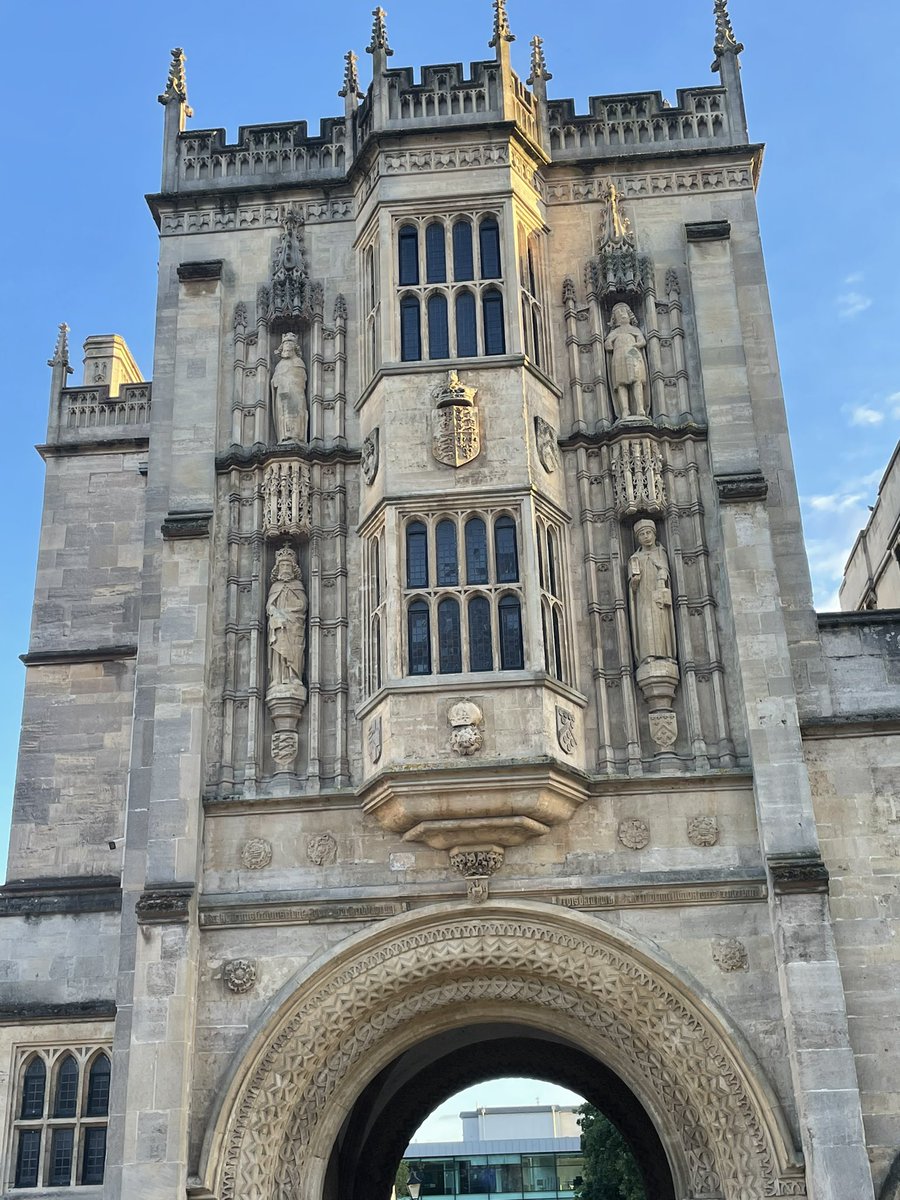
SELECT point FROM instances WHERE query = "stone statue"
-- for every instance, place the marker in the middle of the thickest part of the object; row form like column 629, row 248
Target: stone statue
column 286, row 614
column 629, row 367
column 289, row 392
column 650, row 597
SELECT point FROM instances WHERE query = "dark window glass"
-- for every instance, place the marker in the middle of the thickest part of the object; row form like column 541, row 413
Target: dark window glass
column 463, row 263
column 419, row 628
column 511, row 657
column 409, row 255
column 489, row 241
column 551, row 563
column 466, row 333
column 376, row 570
column 94, row 1156
column 438, row 333
column 98, row 1088
column 449, row 641
column 410, row 330
column 548, row 662
column 435, row 255
column 416, row 555
column 447, row 561
column 66, row 1100
column 532, row 283
column 557, row 646
column 61, row 1147
column 28, row 1158
column 33, row 1085
column 535, row 337
column 476, row 551
column 481, row 657
column 506, row 555
column 492, row 310
column 370, row 277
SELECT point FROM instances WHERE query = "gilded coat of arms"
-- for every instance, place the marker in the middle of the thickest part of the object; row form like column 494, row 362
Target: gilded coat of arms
column 455, row 431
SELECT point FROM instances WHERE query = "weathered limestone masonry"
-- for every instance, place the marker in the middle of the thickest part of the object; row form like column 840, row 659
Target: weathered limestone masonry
column 424, row 682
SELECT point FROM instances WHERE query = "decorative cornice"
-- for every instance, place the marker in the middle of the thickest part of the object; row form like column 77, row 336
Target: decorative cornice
column 52, row 658
column 193, row 272
column 63, row 1014
column 58, row 895
column 797, row 873
column 707, row 231
column 259, row 454
column 746, row 485
column 187, row 525
column 165, row 905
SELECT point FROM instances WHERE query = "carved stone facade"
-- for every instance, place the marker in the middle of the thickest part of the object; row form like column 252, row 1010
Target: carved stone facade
column 450, row 673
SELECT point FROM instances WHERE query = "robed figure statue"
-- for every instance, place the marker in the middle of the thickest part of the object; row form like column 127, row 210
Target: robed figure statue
column 628, row 369
column 286, row 607
column 289, row 405
column 650, row 597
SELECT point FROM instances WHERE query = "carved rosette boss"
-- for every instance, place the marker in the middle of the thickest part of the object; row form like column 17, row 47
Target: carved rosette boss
column 653, row 632
column 455, row 428
column 286, row 607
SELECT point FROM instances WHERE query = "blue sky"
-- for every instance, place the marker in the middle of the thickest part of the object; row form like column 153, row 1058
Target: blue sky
column 83, row 147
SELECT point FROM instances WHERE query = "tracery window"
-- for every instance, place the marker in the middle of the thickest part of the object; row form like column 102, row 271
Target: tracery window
column 551, row 573
column 61, row 1110
column 374, row 607
column 463, row 594
column 531, row 292
column 442, row 317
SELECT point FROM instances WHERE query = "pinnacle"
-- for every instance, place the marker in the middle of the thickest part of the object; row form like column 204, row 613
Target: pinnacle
column 726, row 42
column 351, row 76
column 61, row 349
column 502, row 31
column 176, row 83
column 379, row 33
column 538, row 62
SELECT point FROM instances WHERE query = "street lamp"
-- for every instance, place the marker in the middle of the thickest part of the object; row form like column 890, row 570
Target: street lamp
column 414, row 1186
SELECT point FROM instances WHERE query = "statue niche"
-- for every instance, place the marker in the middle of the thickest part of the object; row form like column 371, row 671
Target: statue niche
column 286, row 608
column 628, row 365
column 289, row 407
column 653, row 631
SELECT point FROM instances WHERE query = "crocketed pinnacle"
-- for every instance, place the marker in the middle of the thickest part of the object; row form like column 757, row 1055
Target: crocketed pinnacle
column 538, row 62
column 176, row 84
column 501, row 25
column 351, row 76
column 726, row 42
column 379, row 33
column 61, row 350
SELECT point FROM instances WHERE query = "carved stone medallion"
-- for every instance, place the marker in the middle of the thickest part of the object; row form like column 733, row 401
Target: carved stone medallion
column 455, row 431
column 321, row 849
column 239, row 975
column 663, row 728
column 730, row 954
column 634, row 833
column 565, row 730
column 369, row 457
column 466, row 736
column 703, row 830
column 547, row 448
column 373, row 738
column 256, row 854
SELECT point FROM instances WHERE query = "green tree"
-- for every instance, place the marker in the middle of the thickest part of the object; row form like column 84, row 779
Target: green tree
column 401, row 1180
column 610, row 1172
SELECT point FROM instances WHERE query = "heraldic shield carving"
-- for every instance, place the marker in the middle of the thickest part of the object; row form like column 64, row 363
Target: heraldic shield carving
column 455, row 432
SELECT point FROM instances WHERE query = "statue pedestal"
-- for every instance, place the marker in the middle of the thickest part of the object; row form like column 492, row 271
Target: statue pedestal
column 658, row 679
column 285, row 702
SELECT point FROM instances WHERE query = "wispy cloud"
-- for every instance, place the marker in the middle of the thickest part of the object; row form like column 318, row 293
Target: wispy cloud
column 831, row 522
column 852, row 302
column 862, row 414
column 874, row 412
column 833, row 503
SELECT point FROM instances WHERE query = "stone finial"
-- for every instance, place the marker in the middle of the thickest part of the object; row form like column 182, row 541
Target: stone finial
column 538, row 62
column 61, row 350
column 340, row 309
column 618, row 227
column 351, row 89
column 379, row 42
column 176, row 84
column 726, row 42
column 502, row 31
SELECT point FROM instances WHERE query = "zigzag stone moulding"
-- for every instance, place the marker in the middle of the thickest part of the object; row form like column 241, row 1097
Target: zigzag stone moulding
column 621, row 1005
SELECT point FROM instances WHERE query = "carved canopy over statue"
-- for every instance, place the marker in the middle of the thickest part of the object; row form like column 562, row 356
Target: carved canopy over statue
column 289, row 407
column 650, row 597
column 628, row 369
column 286, row 615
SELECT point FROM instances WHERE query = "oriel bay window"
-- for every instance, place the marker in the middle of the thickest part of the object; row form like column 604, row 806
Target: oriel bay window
column 463, row 594
column 450, row 299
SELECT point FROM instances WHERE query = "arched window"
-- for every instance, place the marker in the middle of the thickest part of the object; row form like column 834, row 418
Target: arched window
column 492, row 311
column 65, row 1100
column 476, row 551
column 489, row 244
column 463, row 262
column 94, row 1156
column 416, row 555
column 481, row 654
column 410, row 330
column 506, row 554
column 466, row 332
column 435, row 254
column 551, row 563
column 419, row 638
column 408, row 247
column 447, row 559
column 438, row 333
column 511, row 654
column 449, row 640
column 370, row 278
column 28, row 1158
column 62, row 1146
column 97, row 1104
column 34, row 1083
column 557, row 646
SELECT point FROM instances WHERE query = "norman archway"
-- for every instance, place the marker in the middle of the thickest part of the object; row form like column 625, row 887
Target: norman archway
column 532, row 965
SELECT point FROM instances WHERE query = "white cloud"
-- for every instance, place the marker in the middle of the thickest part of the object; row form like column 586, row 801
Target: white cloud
column 833, row 503
column 851, row 304
column 856, row 277
column 862, row 414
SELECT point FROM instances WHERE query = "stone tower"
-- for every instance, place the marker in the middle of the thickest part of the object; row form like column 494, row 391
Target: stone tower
column 424, row 683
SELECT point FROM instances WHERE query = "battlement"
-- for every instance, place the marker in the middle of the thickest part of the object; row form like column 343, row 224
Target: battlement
column 627, row 124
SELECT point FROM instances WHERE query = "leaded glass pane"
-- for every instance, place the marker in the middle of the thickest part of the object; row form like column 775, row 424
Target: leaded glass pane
column 511, row 656
column 435, row 254
column 481, row 655
column 551, row 562
column 98, row 1088
column 33, row 1086
column 557, row 646
column 28, row 1158
column 489, row 239
column 416, row 555
column 506, row 555
column 447, row 559
column 463, row 259
column 476, row 551
column 419, row 634
column 408, row 241
column 410, row 330
column 60, row 1167
column 94, row 1156
column 466, row 331
column 492, row 310
column 449, row 640
column 66, row 1100
column 438, row 332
